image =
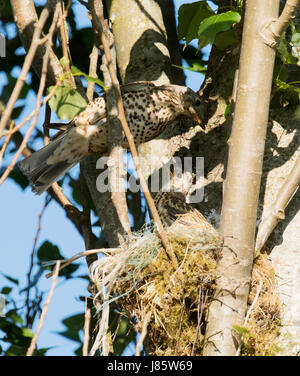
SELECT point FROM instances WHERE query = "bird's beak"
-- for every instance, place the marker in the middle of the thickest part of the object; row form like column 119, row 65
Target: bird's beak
column 196, row 117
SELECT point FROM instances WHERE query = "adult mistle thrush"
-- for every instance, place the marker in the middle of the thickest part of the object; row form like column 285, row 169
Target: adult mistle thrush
column 149, row 110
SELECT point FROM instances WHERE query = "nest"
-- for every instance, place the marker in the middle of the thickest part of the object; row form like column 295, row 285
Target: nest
column 170, row 305
column 263, row 327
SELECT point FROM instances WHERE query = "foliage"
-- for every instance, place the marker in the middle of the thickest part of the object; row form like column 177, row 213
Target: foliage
column 286, row 83
column 198, row 21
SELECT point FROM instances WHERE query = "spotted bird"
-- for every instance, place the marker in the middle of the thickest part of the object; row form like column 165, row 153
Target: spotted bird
column 149, row 110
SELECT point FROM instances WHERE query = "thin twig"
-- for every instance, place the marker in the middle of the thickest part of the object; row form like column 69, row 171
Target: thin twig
column 26, row 66
column 64, row 37
column 8, row 136
column 39, row 96
column 92, row 72
column 200, row 311
column 272, row 31
column 27, row 118
column 44, row 311
column 47, row 201
column 180, row 326
column 86, row 330
column 65, row 263
column 28, row 133
column 284, row 196
column 86, row 226
column 285, row 18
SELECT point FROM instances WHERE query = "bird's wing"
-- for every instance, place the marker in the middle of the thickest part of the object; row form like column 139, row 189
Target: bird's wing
column 137, row 86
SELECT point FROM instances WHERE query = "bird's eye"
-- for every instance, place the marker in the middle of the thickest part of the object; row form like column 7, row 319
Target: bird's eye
column 197, row 103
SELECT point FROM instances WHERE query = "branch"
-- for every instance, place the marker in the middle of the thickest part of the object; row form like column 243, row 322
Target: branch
column 27, row 118
column 44, row 311
column 64, row 36
column 86, row 329
column 33, row 251
column 284, row 195
column 29, row 131
column 92, row 72
column 272, row 31
column 242, row 184
column 115, row 134
column 14, row 97
column 26, row 66
column 8, row 136
column 132, row 147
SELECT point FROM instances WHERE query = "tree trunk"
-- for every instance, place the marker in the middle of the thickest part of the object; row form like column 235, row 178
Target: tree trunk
column 242, row 184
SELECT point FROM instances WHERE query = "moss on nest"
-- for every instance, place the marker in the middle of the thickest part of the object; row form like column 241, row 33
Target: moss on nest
column 171, row 304
column 176, row 298
column 264, row 322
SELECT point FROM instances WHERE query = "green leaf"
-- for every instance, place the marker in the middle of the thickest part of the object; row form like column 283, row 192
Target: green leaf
column 297, row 113
column 241, row 330
column 66, row 102
column 285, row 56
column 189, row 18
column 8, row 88
column 213, row 25
column 77, row 72
column 14, row 317
column 64, row 61
column 48, row 252
column 74, row 324
column 19, row 178
column 27, row 332
column 289, row 87
column 5, row 290
column 227, row 111
column 225, row 39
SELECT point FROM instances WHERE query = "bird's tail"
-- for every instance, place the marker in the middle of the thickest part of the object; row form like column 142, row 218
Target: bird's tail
column 42, row 175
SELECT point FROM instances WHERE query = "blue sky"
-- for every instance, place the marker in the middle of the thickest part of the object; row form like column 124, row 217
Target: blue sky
column 19, row 222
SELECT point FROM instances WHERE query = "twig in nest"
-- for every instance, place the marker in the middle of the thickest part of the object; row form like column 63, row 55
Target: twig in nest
column 180, row 326
column 83, row 254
